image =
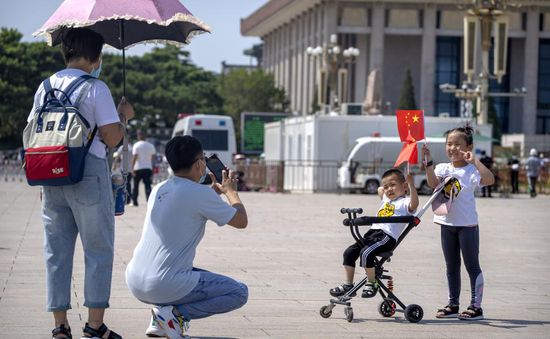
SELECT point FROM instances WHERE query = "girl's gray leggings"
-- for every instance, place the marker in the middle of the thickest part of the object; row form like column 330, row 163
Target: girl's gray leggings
column 465, row 239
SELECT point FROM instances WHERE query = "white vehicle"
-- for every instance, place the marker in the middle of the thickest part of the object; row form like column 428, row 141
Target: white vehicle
column 215, row 132
column 367, row 160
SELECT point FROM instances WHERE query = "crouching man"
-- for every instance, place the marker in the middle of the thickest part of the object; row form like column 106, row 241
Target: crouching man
column 161, row 271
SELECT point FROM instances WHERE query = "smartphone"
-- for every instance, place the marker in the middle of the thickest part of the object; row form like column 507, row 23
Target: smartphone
column 216, row 166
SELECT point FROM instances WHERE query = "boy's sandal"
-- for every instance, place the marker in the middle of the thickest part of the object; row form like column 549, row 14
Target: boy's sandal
column 62, row 332
column 341, row 290
column 370, row 290
column 447, row 311
column 99, row 333
column 472, row 313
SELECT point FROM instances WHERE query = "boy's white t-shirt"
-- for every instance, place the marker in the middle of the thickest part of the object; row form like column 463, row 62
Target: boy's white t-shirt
column 144, row 151
column 161, row 268
column 393, row 208
column 98, row 107
column 463, row 209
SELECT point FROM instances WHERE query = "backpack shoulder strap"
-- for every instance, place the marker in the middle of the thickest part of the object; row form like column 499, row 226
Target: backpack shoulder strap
column 85, row 89
column 74, row 85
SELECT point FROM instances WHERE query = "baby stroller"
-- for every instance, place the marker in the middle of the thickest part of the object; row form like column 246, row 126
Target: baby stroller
column 389, row 303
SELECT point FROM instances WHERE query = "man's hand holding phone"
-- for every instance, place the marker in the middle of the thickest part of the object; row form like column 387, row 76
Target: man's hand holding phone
column 229, row 182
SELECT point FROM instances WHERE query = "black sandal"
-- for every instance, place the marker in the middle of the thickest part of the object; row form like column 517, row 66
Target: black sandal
column 370, row 290
column 472, row 313
column 449, row 311
column 341, row 290
column 62, row 330
column 99, row 333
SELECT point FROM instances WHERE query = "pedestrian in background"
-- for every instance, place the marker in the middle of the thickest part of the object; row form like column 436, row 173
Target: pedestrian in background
column 487, row 161
column 533, row 168
column 142, row 165
column 543, row 178
column 513, row 165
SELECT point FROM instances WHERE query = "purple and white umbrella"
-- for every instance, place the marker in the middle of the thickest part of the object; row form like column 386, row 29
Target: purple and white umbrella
column 124, row 23
column 141, row 21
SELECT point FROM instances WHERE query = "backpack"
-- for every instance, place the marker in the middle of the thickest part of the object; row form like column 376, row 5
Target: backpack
column 57, row 139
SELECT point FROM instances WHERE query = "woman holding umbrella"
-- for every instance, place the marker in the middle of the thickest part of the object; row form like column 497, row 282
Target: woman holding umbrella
column 85, row 208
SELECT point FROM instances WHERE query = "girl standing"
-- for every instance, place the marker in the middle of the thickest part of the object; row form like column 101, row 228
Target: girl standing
column 459, row 228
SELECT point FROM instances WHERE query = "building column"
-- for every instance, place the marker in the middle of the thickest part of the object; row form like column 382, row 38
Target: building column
column 529, row 119
column 376, row 52
column 361, row 68
column 427, row 70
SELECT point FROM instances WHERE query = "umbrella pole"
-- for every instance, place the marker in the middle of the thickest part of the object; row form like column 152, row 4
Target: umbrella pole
column 125, row 152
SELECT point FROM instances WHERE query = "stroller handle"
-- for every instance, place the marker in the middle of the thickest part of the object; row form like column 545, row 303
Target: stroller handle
column 367, row 221
column 351, row 210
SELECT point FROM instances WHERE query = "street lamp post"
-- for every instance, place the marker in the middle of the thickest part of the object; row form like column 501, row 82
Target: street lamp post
column 332, row 72
column 484, row 13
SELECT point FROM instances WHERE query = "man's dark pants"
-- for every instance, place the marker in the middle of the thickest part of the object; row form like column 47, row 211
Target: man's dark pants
column 145, row 175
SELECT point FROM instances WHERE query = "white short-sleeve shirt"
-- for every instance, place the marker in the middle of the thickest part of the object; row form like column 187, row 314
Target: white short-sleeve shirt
column 393, row 208
column 144, row 151
column 97, row 107
column 161, row 268
column 463, row 209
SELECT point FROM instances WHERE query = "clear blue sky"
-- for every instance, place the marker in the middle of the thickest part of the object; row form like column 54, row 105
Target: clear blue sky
column 207, row 50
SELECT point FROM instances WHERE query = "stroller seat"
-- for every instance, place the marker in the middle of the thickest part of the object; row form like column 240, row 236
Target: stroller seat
column 385, row 255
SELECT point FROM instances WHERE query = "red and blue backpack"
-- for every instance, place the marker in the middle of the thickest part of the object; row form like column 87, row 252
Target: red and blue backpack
column 57, row 139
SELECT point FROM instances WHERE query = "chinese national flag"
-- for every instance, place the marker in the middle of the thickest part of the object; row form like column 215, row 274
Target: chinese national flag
column 410, row 122
column 409, row 153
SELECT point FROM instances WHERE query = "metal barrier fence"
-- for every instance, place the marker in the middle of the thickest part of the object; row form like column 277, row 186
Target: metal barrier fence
column 11, row 170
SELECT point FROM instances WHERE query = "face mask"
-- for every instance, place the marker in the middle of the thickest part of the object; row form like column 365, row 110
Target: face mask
column 203, row 177
column 95, row 72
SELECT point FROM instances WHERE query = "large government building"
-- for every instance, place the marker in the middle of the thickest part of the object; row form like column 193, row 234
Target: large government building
column 393, row 36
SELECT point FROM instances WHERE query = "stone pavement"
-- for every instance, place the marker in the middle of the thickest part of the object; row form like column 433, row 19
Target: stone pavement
column 289, row 256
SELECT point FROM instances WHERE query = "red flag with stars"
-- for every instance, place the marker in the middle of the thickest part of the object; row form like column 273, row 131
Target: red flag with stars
column 409, row 153
column 410, row 122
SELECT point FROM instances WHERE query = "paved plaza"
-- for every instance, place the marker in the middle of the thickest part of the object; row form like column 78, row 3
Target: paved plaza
column 289, row 256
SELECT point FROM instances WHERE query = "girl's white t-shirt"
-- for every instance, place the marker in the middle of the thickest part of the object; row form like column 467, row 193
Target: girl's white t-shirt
column 463, row 210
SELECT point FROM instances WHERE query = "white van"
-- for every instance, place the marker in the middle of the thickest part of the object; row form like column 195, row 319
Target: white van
column 215, row 132
column 369, row 157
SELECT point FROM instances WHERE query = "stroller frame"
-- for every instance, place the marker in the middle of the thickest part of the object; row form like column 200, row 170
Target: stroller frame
column 388, row 307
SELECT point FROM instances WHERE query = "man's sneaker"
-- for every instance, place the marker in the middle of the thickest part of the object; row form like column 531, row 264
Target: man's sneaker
column 449, row 311
column 341, row 290
column 154, row 330
column 174, row 326
column 472, row 313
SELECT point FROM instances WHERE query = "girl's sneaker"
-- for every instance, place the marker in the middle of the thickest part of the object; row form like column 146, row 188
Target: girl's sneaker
column 449, row 311
column 472, row 313
column 341, row 290
column 173, row 324
column 154, row 329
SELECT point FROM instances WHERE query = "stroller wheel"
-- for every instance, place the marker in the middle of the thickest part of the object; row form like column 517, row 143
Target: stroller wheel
column 326, row 311
column 348, row 311
column 414, row 313
column 387, row 308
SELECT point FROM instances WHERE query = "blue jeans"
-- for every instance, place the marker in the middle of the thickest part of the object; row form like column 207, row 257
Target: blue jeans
column 85, row 208
column 214, row 294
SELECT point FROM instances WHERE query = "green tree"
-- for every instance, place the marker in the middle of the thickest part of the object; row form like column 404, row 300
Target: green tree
column 161, row 84
column 22, row 67
column 407, row 100
column 250, row 91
